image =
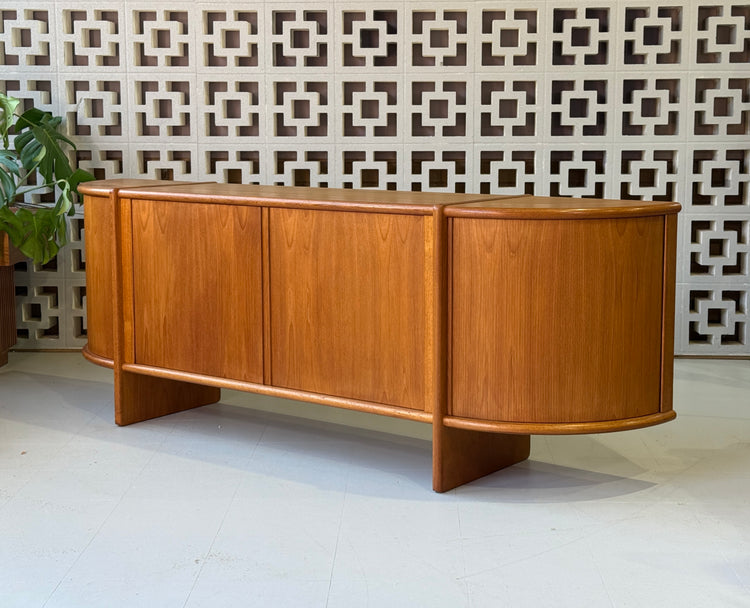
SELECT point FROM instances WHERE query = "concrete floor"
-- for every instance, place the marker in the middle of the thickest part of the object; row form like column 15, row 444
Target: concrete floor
column 263, row 502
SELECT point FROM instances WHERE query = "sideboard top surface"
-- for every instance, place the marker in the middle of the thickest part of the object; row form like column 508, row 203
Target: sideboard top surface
column 104, row 187
column 295, row 196
column 547, row 207
column 454, row 204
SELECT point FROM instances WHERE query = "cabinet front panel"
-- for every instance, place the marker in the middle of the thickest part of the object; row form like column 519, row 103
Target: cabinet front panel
column 348, row 313
column 197, row 288
column 99, row 218
column 556, row 321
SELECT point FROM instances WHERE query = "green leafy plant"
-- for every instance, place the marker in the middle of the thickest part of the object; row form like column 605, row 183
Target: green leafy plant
column 35, row 160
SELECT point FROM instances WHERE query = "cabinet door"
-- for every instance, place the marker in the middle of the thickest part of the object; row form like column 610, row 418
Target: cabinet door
column 348, row 312
column 99, row 218
column 556, row 321
column 197, row 288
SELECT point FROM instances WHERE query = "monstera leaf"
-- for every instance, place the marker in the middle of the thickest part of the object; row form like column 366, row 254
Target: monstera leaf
column 37, row 234
column 8, row 107
column 36, row 161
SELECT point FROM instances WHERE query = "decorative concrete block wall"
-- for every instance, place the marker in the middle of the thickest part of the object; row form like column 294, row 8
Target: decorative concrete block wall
column 619, row 99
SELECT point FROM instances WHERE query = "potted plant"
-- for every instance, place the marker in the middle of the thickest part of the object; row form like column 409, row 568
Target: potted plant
column 33, row 160
column 36, row 160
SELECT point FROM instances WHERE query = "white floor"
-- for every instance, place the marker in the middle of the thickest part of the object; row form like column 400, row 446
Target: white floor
column 232, row 505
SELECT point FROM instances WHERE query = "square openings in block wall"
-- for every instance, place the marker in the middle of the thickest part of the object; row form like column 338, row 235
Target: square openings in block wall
column 628, row 100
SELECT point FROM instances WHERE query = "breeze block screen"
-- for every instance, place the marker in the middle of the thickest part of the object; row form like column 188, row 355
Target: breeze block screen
column 634, row 100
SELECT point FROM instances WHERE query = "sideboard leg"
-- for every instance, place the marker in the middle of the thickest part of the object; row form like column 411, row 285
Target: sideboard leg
column 460, row 456
column 139, row 397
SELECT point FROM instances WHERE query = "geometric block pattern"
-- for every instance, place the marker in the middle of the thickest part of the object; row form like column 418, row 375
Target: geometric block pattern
column 719, row 248
column 717, row 320
column 611, row 99
column 718, row 179
column 51, row 298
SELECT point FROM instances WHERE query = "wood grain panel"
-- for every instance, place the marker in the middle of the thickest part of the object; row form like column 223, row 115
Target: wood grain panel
column 556, row 321
column 558, row 207
column 197, row 288
column 124, row 295
column 668, row 299
column 460, row 455
column 7, row 312
column 99, row 220
column 9, row 255
column 347, row 302
column 382, row 201
column 5, row 249
column 139, row 398
column 369, row 407
column 559, row 428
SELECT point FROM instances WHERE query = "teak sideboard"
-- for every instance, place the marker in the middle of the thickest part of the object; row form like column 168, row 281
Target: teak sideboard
column 492, row 318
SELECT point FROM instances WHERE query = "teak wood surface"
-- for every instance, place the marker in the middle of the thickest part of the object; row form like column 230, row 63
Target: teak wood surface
column 99, row 219
column 348, row 306
column 556, row 303
column 493, row 318
column 9, row 255
column 183, row 256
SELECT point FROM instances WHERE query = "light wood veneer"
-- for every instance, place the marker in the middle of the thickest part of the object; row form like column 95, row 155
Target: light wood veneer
column 557, row 303
column 348, row 304
column 492, row 318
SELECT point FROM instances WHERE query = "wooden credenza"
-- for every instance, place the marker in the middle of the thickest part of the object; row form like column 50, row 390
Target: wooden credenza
column 492, row 318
